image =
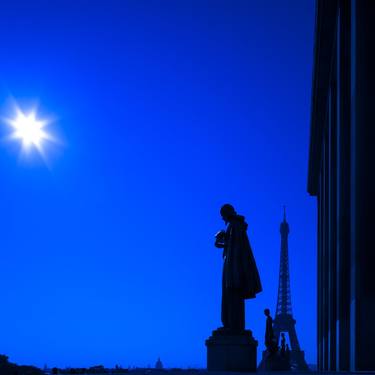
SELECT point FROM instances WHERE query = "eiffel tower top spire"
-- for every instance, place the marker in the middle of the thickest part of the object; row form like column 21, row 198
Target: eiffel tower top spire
column 284, row 230
column 284, row 303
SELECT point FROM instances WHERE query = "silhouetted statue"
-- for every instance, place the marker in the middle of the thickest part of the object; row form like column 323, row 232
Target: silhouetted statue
column 240, row 274
column 287, row 354
column 283, row 341
column 270, row 339
column 273, row 359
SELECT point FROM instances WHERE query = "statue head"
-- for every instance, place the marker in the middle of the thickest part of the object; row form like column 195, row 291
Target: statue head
column 227, row 211
column 267, row 312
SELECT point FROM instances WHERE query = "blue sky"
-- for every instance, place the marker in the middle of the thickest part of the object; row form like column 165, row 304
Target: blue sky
column 164, row 110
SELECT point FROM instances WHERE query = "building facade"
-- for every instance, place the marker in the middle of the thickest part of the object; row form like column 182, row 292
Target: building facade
column 342, row 177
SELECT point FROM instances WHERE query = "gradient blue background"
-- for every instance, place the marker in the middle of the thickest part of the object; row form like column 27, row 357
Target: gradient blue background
column 164, row 111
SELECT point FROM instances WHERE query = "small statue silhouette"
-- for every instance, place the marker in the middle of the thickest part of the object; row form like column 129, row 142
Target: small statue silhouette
column 283, row 341
column 287, row 354
column 270, row 339
column 240, row 274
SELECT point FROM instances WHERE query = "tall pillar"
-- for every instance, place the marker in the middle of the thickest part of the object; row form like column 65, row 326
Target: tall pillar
column 343, row 187
column 332, row 220
column 325, row 254
column 363, row 183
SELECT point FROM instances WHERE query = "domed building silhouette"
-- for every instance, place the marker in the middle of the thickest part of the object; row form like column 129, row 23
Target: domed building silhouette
column 159, row 364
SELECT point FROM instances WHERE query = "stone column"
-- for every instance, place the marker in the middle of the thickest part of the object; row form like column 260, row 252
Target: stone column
column 363, row 185
column 343, row 188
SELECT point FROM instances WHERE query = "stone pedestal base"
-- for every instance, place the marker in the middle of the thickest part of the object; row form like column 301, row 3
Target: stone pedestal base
column 228, row 351
column 280, row 361
column 274, row 362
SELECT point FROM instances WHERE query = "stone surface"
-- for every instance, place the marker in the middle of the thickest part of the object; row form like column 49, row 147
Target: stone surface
column 274, row 362
column 227, row 351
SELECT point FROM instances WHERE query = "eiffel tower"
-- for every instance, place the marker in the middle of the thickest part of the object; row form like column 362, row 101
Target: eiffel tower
column 284, row 321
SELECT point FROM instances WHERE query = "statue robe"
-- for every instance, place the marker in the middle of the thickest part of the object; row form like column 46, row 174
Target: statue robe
column 240, row 274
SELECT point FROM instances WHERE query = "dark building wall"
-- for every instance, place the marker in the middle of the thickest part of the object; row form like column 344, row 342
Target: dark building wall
column 342, row 177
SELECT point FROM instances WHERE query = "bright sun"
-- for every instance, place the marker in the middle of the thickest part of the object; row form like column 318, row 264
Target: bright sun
column 29, row 129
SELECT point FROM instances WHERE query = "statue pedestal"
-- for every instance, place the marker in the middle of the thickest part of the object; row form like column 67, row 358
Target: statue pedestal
column 229, row 351
column 274, row 362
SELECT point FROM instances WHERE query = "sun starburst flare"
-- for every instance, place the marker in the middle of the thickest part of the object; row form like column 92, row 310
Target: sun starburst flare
column 29, row 129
